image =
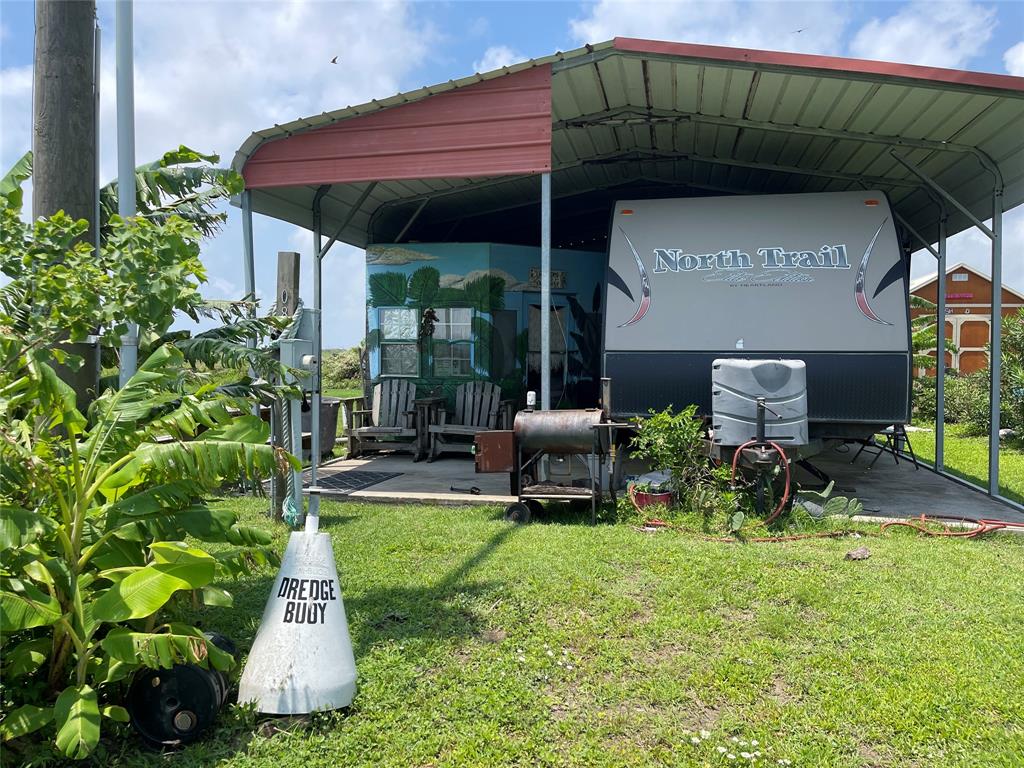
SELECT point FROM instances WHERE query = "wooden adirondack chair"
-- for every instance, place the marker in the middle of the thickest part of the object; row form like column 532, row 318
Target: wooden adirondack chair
column 477, row 408
column 388, row 424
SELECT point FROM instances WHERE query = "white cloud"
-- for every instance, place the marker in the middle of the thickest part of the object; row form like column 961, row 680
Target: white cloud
column 805, row 27
column 974, row 248
column 947, row 34
column 1014, row 60
column 496, row 57
column 208, row 74
column 15, row 114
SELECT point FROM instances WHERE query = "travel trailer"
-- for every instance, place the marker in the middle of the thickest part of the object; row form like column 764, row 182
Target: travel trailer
column 820, row 278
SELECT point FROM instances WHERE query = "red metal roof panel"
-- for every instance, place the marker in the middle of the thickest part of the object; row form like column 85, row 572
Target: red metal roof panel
column 495, row 127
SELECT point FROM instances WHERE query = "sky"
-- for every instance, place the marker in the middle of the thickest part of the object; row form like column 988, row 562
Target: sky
column 207, row 74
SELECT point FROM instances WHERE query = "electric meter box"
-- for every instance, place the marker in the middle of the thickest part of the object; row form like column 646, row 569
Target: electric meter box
column 737, row 383
column 299, row 351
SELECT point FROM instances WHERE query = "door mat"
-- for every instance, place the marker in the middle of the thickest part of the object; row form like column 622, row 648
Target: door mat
column 350, row 480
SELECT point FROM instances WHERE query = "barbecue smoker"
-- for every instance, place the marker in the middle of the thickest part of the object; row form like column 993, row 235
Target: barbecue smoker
column 539, row 451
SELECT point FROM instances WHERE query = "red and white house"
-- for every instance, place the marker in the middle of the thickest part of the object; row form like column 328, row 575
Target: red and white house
column 968, row 313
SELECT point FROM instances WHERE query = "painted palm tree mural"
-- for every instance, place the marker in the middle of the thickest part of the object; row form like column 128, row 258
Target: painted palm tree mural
column 442, row 314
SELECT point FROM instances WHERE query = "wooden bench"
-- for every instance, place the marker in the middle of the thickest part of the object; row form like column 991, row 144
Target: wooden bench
column 478, row 407
column 388, row 424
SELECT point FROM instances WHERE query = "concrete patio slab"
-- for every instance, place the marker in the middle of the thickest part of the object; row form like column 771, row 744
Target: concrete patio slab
column 901, row 491
column 419, row 482
column 887, row 490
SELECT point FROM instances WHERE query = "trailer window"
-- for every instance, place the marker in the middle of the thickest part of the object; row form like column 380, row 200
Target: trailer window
column 453, row 342
column 399, row 354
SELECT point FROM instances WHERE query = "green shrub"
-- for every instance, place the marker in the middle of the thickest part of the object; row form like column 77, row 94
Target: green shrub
column 923, row 398
column 967, row 402
column 1012, row 390
column 340, row 367
column 674, row 442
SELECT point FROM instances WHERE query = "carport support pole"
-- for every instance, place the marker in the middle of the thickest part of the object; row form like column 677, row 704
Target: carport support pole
column 995, row 361
column 545, row 291
column 314, row 417
column 248, row 256
column 940, row 350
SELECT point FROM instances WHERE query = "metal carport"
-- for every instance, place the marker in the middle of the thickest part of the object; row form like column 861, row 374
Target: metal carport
column 460, row 160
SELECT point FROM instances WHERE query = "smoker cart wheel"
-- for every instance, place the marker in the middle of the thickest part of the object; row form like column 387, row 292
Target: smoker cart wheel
column 535, row 506
column 518, row 513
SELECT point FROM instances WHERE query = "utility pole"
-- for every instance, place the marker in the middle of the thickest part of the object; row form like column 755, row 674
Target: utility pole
column 64, row 175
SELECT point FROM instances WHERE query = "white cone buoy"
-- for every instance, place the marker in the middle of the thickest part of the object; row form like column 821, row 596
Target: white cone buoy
column 301, row 660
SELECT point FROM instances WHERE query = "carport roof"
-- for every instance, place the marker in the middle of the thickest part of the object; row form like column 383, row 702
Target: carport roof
column 631, row 118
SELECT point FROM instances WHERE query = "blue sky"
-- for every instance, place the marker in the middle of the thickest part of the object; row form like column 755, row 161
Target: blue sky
column 210, row 73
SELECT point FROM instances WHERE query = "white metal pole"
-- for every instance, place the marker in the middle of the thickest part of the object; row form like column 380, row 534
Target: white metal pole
column 96, row 49
column 995, row 364
column 126, row 155
column 312, row 519
column 248, row 255
column 940, row 349
column 545, row 291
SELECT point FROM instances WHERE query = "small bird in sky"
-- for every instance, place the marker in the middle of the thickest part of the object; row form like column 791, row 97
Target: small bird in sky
column 797, row 31
column 334, row 60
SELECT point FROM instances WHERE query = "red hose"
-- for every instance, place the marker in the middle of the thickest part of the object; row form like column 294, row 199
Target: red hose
column 982, row 526
column 785, row 465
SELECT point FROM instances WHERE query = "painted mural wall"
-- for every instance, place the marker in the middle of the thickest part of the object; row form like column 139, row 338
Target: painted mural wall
column 445, row 313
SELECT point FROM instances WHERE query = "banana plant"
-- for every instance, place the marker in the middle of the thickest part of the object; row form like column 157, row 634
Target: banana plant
column 96, row 510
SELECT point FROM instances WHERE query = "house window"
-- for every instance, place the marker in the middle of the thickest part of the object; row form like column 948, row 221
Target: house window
column 399, row 354
column 454, row 324
column 453, row 347
column 959, row 277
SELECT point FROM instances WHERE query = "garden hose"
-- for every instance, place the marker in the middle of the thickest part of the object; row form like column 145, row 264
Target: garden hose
column 785, row 465
column 981, row 525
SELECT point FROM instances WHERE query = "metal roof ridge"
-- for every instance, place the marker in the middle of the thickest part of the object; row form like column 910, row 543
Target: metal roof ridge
column 821, row 62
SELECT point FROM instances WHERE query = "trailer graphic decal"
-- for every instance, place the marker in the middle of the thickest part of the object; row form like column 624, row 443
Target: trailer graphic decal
column 645, row 286
column 861, row 298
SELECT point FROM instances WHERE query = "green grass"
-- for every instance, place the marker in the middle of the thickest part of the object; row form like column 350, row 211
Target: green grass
column 562, row 644
column 967, row 457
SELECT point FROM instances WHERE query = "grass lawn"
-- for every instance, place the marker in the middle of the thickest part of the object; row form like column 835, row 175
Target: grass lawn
column 967, row 457
column 483, row 644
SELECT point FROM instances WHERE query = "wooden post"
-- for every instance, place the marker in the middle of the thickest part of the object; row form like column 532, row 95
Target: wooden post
column 64, row 112
column 287, row 300
column 287, row 282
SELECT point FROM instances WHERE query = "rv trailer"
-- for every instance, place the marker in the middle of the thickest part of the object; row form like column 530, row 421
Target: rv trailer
column 817, row 277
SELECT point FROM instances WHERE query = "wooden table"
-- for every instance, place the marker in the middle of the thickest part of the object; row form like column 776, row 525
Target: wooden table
column 428, row 410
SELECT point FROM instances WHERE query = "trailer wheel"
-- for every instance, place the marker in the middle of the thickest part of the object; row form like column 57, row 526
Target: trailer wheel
column 518, row 513
column 535, row 506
